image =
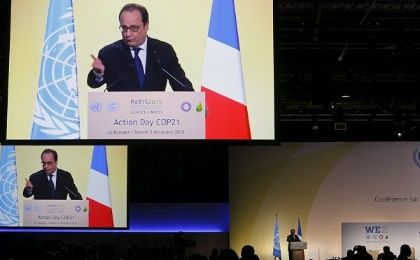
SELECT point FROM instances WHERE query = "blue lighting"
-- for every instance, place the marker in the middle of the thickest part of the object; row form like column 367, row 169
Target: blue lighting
column 161, row 218
column 174, row 217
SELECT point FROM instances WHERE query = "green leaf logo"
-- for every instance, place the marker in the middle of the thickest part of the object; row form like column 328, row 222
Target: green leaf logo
column 199, row 107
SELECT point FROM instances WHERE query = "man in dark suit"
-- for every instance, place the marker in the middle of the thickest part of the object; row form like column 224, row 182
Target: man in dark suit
column 116, row 64
column 292, row 238
column 51, row 183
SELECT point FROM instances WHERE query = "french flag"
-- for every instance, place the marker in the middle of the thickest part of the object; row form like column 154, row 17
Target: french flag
column 223, row 84
column 98, row 195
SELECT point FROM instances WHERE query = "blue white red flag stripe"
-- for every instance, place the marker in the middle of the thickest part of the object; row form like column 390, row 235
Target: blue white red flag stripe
column 96, row 187
column 299, row 228
column 225, row 76
column 98, row 195
column 223, row 84
column 223, row 27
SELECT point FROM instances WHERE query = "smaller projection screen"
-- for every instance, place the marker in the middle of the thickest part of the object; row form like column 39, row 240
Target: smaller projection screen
column 98, row 172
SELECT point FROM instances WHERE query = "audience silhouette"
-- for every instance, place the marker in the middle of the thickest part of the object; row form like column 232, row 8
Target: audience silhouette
column 213, row 254
column 359, row 252
column 386, row 254
column 349, row 255
column 227, row 254
column 405, row 252
column 56, row 250
column 248, row 253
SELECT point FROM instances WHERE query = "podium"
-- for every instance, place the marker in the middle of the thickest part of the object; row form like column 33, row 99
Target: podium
column 296, row 249
column 55, row 213
column 146, row 115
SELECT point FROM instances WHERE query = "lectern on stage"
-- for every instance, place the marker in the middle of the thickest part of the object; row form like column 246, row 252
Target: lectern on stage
column 296, row 249
column 55, row 213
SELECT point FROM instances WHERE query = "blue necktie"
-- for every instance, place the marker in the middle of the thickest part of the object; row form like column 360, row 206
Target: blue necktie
column 139, row 67
column 51, row 185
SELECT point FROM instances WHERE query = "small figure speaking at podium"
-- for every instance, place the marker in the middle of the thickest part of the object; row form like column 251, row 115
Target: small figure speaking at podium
column 292, row 238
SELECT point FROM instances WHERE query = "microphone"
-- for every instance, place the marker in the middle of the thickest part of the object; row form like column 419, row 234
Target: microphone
column 108, row 87
column 167, row 72
column 76, row 196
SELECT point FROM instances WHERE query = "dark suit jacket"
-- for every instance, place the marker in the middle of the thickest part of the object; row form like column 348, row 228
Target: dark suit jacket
column 64, row 186
column 120, row 73
column 291, row 238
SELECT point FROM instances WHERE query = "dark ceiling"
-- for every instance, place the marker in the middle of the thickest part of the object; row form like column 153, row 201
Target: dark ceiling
column 355, row 63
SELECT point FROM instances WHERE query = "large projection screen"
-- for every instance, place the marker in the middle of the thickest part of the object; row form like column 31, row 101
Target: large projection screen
column 184, row 24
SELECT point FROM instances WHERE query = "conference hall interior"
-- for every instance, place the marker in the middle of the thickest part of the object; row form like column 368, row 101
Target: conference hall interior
column 344, row 163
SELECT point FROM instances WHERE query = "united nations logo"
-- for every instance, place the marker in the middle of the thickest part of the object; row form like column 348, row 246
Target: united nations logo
column 8, row 195
column 416, row 157
column 56, row 114
column 96, row 107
